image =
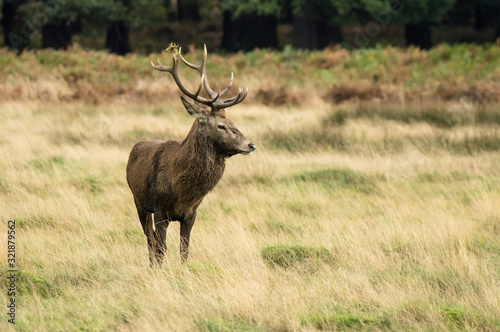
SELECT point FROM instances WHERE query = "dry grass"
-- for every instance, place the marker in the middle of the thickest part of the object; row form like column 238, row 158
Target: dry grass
column 410, row 236
column 386, row 218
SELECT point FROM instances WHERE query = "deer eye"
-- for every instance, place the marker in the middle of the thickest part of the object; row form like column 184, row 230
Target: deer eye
column 221, row 127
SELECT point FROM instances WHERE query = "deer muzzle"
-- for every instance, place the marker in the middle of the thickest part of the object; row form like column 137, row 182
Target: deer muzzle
column 251, row 148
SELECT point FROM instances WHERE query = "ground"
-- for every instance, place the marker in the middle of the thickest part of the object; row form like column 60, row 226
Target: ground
column 353, row 212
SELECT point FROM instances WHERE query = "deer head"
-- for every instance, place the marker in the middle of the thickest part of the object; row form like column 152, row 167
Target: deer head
column 210, row 113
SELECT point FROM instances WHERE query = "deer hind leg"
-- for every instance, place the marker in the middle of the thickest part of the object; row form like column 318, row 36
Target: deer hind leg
column 147, row 226
column 186, row 226
column 160, row 234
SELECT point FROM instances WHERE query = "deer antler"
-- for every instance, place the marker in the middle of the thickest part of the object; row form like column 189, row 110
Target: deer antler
column 214, row 100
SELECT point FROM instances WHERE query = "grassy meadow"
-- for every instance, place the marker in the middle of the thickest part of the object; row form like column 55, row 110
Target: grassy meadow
column 371, row 202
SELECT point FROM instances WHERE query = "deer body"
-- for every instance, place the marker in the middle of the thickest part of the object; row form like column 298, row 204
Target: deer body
column 170, row 178
column 168, row 168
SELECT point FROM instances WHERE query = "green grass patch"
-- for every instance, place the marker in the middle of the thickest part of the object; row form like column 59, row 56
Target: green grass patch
column 485, row 142
column 322, row 138
column 5, row 187
column 306, row 140
column 277, row 227
column 438, row 117
column 129, row 138
column 454, row 315
column 48, row 165
column 90, row 184
column 29, row 284
column 286, row 256
column 203, row 269
column 449, row 282
column 218, row 325
column 37, row 222
column 332, row 136
column 344, row 322
column 334, row 178
column 446, row 177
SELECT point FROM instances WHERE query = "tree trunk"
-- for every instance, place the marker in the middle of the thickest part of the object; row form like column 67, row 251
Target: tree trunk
column 328, row 34
column 419, row 35
column 312, row 30
column 58, row 35
column 230, row 32
column 486, row 15
column 117, row 38
column 171, row 13
column 8, row 21
column 258, row 31
column 12, row 36
column 188, row 10
column 305, row 32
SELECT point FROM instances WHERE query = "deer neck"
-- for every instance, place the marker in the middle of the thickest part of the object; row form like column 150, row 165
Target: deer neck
column 206, row 164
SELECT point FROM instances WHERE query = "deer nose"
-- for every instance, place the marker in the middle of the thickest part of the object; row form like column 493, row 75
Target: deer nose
column 251, row 146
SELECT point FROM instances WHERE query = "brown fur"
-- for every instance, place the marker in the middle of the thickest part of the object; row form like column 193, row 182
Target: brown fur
column 170, row 178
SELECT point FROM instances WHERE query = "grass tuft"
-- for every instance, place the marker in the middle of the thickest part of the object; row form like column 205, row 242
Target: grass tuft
column 454, row 315
column 203, row 269
column 343, row 322
column 333, row 178
column 48, row 165
column 37, row 222
column 29, row 284
column 287, row 256
column 213, row 325
column 440, row 117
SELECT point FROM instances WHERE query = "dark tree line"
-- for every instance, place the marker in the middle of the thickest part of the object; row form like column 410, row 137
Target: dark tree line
column 318, row 23
column 246, row 24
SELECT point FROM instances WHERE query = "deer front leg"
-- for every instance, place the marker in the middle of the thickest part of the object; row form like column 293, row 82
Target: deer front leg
column 160, row 234
column 186, row 226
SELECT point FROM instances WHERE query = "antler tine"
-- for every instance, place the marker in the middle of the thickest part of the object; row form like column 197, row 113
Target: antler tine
column 199, row 68
column 199, row 89
column 174, row 71
column 223, row 103
column 209, row 90
column 230, row 100
column 234, row 100
column 161, row 67
column 228, row 87
column 215, row 96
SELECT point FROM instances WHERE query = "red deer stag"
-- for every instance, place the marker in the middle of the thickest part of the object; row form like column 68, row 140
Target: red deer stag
column 170, row 178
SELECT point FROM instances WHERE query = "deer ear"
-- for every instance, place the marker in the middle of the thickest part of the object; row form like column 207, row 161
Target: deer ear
column 194, row 110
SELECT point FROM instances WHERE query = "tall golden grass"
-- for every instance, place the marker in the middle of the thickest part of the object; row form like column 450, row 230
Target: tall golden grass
column 353, row 215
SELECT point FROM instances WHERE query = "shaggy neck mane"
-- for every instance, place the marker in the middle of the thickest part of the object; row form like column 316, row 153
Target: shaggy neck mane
column 206, row 166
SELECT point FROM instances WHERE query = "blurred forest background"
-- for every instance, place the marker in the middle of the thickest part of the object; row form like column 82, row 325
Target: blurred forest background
column 146, row 26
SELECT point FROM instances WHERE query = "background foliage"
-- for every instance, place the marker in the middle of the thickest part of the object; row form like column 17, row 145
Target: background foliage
column 146, row 25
